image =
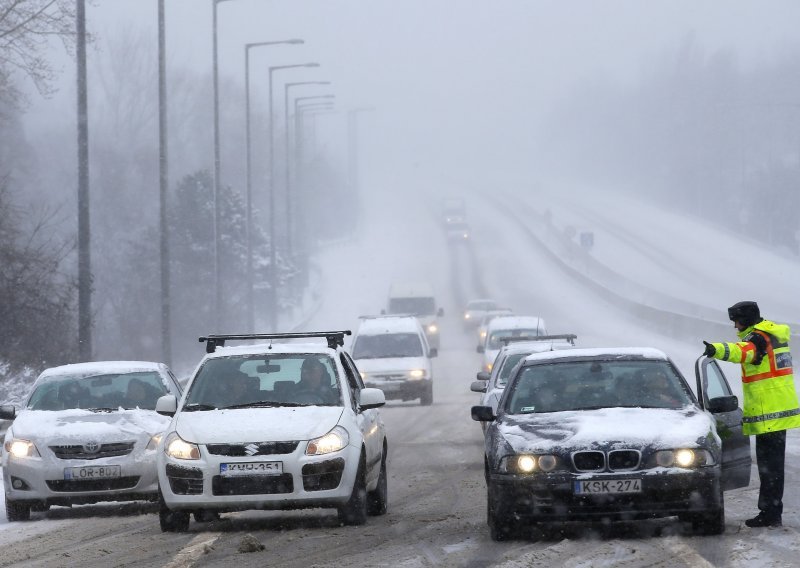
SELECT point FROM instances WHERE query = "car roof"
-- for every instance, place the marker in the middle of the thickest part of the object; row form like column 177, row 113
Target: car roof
column 599, row 353
column 515, row 322
column 101, row 367
column 381, row 325
column 481, row 301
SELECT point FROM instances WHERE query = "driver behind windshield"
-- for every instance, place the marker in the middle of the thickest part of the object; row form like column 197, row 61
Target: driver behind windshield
column 314, row 379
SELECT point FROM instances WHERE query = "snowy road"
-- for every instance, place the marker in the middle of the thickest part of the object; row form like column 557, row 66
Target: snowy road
column 437, row 495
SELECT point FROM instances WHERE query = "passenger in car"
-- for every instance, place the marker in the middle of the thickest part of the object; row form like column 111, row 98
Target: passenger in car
column 314, row 379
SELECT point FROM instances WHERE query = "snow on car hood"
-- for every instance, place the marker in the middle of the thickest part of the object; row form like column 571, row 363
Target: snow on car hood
column 257, row 424
column 77, row 426
column 609, row 427
column 391, row 364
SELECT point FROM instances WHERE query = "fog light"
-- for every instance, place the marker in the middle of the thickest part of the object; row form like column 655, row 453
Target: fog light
column 17, row 484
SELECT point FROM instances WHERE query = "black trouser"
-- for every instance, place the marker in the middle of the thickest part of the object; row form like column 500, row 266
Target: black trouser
column 770, row 453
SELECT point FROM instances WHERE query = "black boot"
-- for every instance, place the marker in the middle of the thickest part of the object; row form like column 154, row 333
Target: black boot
column 762, row 520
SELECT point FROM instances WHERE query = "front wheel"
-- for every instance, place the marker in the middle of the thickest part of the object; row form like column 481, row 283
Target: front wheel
column 354, row 512
column 172, row 521
column 17, row 510
column 427, row 397
column 497, row 516
column 377, row 500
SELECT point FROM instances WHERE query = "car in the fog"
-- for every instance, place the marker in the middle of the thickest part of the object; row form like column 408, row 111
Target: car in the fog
column 475, row 310
column 612, row 434
column 392, row 354
column 504, row 327
column 454, row 210
column 280, row 424
column 483, row 323
column 87, row 433
column 458, row 232
column 417, row 298
column 513, row 351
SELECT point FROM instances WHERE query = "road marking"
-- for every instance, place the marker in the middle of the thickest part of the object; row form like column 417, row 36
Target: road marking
column 199, row 546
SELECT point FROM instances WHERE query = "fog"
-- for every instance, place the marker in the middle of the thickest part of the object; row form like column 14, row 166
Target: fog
column 694, row 106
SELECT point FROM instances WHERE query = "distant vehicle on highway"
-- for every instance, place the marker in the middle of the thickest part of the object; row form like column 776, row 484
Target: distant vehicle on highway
column 458, row 232
column 453, row 211
column 612, row 434
column 417, row 299
column 87, row 433
column 503, row 327
column 486, row 318
column 475, row 310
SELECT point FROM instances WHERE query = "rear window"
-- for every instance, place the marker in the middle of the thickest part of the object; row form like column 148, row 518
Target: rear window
column 497, row 336
column 387, row 345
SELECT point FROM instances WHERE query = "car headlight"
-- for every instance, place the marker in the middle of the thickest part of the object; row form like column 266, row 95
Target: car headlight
column 433, row 328
column 683, row 457
column 483, row 335
column 416, row 373
column 363, row 375
column 19, row 448
column 528, row 463
column 335, row 440
column 466, row 316
column 178, row 448
column 154, row 440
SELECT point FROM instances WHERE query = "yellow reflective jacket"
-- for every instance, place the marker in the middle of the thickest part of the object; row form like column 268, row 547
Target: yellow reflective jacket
column 770, row 400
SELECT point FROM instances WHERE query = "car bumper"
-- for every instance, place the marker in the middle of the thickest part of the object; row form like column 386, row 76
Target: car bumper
column 405, row 390
column 552, row 497
column 43, row 480
column 304, row 482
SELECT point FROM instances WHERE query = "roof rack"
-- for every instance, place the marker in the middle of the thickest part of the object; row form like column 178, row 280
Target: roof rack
column 571, row 337
column 379, row 316
column 335, row 338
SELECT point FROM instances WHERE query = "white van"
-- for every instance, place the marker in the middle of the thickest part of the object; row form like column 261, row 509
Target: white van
column 417, row 299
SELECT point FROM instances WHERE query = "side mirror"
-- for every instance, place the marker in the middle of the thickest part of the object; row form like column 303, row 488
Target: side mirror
column 480, row 349
column 371, row 398
column 433, row 352
column 483, row 376
column 167, row 405
column 478, row 386
column 440, row 312
column 7, row 412
column 483, row 414
column 720, row 404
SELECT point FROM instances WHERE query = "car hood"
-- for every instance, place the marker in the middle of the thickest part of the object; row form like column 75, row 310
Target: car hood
column 257, row 424
column 73, row 426
column 391, row 364
column 609, row 428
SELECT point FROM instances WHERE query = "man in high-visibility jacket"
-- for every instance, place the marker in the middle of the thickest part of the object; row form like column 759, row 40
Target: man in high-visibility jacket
column 770, row 400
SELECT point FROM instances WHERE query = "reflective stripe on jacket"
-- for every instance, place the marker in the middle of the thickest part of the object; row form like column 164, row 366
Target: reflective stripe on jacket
column 770, row 400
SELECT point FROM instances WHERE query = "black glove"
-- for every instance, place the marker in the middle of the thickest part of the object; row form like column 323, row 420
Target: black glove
column 710, row 349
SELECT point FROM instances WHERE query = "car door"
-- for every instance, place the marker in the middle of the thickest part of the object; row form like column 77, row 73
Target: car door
column 368, row 420
column 736, row 460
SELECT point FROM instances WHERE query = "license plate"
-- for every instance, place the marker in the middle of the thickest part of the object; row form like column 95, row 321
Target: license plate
column 93, row 472
column 607, row 486
column 250, row 468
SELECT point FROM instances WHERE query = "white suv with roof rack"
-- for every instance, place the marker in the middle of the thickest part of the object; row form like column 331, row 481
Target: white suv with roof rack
column 502, row 327
column 393, row 355
column 277, row 425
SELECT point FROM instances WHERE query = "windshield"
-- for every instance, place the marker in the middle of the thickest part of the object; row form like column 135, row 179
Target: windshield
column 415, row 306
column 387, row 345
column 583, row 385
column 481, row 306
column 508, row 365
column 496, row 337
column 108, row 391
column 296, row 379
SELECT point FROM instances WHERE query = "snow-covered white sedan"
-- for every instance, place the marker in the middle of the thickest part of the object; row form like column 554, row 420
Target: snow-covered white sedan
column 87, row 433
column 277, row 425
column 612, row 434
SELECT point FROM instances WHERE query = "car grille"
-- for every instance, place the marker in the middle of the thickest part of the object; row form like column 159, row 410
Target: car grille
column 323, row 475
column 79, row 451
column 615, row 460
column 252, row 449
column 185, row 480
column 76, row 485
column 252, row 484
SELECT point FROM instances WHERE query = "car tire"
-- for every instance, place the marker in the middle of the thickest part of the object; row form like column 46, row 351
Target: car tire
column 427, row 397
column 709, row 523
column 497, row 516
column 17, row 510
column 354, row 512
column 378, row 499
column 172, row 521
column 40, row 507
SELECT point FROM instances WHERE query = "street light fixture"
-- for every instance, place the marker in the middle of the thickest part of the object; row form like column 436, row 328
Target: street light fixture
column 273, row 272
column 249, row 176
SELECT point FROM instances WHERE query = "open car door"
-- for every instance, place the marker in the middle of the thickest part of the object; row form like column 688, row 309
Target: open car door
column 736, row 460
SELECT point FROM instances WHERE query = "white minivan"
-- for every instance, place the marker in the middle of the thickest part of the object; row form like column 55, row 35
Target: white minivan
column 417, row 299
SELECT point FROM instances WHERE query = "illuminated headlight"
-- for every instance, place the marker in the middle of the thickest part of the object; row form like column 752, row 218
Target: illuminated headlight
column 466, row 316
column 335, row 440
column 178, row 448
column 683, row 457
column 527, row 463
column 416, row 374
column 483, row 335
column 363, row 375
column 21, row 448
column 466, row 235
column 153, row 443
column 433, row 328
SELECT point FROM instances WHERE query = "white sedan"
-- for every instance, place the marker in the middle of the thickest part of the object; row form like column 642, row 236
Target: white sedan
column 87, row 433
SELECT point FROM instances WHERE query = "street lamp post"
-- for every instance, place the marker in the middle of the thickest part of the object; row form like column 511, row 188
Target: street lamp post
column 249, row 176
column 273, row 269
column 352, row 155
column 163, row 182
column 84, row 234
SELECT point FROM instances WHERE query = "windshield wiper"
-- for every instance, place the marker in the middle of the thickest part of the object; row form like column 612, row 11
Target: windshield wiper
column 198, row 406
column 103, row 409
column 263, row 404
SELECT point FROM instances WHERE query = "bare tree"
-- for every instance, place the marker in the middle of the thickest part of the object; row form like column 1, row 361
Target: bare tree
column 26, row 29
